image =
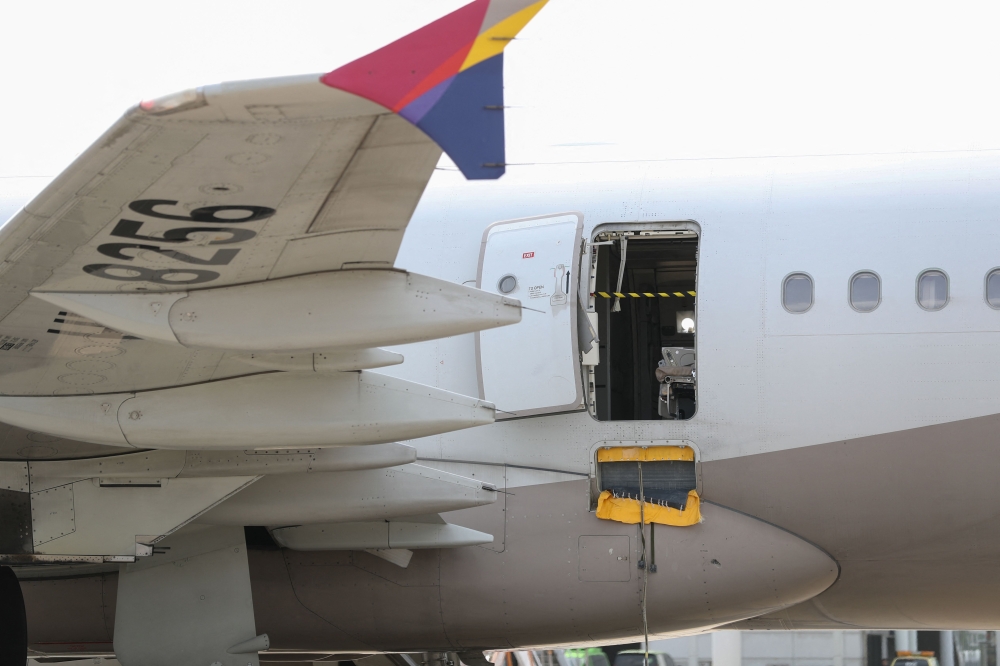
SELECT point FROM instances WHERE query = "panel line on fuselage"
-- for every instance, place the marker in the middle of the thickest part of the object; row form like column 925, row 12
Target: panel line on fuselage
column 496, row 464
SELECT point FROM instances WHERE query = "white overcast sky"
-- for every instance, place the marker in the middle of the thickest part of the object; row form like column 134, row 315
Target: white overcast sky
column 589, row 79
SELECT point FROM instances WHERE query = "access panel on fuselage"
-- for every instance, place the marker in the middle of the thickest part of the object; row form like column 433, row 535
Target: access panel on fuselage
column 533, row 367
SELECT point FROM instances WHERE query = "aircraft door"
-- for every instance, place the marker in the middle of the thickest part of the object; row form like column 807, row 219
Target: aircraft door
column 532, row 367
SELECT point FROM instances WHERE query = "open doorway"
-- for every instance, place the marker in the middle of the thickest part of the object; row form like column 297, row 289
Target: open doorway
column 644, row 296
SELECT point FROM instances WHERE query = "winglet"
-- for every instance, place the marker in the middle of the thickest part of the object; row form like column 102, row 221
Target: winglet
column 447, row 79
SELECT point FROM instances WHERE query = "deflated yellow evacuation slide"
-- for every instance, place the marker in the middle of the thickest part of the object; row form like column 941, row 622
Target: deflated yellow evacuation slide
column 645, row 454
column 624, row 510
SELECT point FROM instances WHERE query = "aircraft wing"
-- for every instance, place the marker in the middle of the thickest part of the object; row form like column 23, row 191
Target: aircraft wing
column 230, row 184
column 238, row 184
column 208, row 283
column 187, row 315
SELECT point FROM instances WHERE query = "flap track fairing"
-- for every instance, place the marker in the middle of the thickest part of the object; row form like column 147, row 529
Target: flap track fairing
column 381, row 534
column 267, row 411
column 396, row 493
column 200, row 464
column 357, row 309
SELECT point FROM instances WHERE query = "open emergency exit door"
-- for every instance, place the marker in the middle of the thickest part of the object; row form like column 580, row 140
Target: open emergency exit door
column 532, row 367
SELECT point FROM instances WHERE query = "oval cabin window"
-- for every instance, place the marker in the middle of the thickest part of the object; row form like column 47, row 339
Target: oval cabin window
column 866, row 291
column 507, row 284
column 932, row 290
column 797, row 293
column 993, row 289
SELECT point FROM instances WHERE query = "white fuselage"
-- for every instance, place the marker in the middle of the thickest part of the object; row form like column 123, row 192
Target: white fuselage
column 769, row 380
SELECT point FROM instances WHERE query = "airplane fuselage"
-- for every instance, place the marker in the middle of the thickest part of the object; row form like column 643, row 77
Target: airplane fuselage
column 844, row 458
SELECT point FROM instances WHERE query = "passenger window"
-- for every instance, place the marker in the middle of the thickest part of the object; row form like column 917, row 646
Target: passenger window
column 932, row 290
column 797, row 293
column 993, row 289
column 866, row 291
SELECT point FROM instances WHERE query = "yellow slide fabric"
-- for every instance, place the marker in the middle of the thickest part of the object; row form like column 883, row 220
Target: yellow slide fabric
column 626, row 510
column 644, row 453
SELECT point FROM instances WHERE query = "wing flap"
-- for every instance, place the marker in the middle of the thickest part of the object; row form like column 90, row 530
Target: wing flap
column 366, row 248
column 387, row 176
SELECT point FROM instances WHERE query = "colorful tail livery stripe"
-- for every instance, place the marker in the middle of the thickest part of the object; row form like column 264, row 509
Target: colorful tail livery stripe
column 447, row 79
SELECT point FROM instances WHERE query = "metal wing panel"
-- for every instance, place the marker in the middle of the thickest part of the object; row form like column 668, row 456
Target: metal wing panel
column 377, row 191
column 322, row 160
column 244, row 182
column 290, row 167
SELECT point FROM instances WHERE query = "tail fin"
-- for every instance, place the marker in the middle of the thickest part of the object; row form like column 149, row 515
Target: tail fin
column 447, row 79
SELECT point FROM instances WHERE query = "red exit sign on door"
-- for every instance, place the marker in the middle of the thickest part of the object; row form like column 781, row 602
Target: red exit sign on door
column 527, row 255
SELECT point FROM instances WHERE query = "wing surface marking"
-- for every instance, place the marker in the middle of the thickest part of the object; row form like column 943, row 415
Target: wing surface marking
column 90, row 231
column 239, row 184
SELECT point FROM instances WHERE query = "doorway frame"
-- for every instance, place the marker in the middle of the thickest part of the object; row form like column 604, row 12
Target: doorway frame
column 681, row 227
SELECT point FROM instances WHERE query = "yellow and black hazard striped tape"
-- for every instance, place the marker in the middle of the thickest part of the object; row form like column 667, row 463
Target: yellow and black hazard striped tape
column 645, row 294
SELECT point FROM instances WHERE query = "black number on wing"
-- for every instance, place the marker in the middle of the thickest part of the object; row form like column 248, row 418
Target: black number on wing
column 130, row 229
column 176, row 276
column 204, row 214
column 114, row 250
column 142, row 274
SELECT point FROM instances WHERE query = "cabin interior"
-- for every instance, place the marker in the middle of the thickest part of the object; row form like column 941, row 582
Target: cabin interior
column 645, row 298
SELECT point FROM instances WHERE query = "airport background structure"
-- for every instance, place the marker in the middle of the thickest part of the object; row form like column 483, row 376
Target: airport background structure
column 797, row 648
column 746, row 648
column 827, row 648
